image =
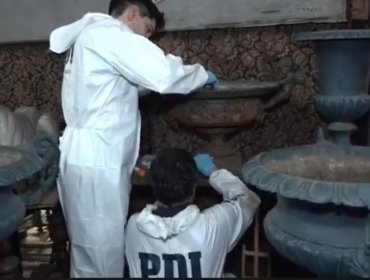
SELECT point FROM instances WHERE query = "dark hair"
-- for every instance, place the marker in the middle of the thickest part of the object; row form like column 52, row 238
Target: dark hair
column 174, row 175
column 147, row 9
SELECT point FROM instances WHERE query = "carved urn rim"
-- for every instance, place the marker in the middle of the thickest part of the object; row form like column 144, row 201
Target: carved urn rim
column 341, row 34
column 28, row 164
column 352, row 194
column 230, row 90
column 237, row 89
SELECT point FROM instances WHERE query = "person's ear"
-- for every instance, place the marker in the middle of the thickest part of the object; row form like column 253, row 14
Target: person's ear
column 131, row 12
column 135, row 11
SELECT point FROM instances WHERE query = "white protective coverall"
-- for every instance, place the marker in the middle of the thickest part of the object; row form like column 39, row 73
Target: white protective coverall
column 191, row 243
column 105, row 65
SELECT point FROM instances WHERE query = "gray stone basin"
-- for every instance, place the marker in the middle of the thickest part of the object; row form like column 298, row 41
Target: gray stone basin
column 321, row 173
column 15, row 165
column 230, row 105
column 320, row 220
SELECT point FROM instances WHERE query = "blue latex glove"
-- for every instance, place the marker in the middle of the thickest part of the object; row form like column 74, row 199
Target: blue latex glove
column 204, row 164
column 212, row 80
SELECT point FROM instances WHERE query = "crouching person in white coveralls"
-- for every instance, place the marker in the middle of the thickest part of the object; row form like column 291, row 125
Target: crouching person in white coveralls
column 172, row 238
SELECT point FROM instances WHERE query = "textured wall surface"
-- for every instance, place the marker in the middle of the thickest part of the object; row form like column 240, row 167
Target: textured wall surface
column 33, row 20
column 205, row 14
column 30, row 75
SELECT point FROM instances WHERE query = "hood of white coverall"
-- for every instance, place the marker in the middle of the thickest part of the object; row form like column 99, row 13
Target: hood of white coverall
column 63, row 38
column 166, row 227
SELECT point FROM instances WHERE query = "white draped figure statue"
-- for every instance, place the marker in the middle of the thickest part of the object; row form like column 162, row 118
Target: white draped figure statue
column 21, row 126
column 28, row 128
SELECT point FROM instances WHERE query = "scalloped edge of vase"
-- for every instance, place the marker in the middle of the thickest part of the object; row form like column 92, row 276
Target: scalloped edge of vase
column 310, row 190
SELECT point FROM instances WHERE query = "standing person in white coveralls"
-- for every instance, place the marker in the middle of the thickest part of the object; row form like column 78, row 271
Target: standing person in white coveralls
column 172, row 238
column 109, row 57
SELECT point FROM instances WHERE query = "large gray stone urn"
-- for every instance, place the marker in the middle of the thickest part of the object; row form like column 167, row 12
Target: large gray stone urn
column 321, row 219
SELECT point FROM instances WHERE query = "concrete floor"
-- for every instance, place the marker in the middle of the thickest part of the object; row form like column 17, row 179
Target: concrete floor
column 36, row 246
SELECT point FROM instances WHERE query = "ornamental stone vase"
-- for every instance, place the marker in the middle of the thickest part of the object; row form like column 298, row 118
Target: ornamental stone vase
column 218, row 113
column 321, row 219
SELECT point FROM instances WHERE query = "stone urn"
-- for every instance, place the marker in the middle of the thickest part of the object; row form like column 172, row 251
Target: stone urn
column 31, row 129
column 220, row 112
column 321, row 219
column 15, row 165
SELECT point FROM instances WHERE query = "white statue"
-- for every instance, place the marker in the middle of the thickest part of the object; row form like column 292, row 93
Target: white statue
column 28, row 128
column 21, row 126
